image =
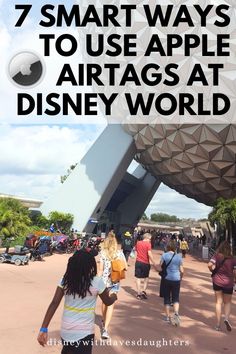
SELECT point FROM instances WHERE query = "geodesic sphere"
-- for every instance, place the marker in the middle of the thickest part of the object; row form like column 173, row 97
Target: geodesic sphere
column 193, row 154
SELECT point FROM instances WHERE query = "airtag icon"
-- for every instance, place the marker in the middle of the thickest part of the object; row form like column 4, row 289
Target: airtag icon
column 26, row 69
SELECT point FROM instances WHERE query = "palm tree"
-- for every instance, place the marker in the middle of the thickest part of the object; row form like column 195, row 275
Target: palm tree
column 224, row 212
column 14, row 220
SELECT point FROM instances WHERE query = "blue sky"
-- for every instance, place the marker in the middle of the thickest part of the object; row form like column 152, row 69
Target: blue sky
column 33, row 156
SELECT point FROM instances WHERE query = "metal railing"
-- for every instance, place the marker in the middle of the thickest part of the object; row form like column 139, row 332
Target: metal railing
column 211, row 252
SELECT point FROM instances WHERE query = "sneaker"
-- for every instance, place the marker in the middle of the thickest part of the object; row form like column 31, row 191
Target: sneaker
column 228, row 325
column 105, row 334
column 139, row 296
column 175, row 320
column 166, row 319
column 144, row 295
column 217, row 328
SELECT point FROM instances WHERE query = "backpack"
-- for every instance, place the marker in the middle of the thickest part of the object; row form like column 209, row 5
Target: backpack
column 117, row 270
column 127, row 243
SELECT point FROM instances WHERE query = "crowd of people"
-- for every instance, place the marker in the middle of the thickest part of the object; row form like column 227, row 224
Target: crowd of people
column 83, row 282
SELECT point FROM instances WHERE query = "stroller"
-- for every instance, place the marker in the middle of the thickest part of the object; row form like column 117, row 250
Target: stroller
column 91, row 242
column 30, row 241
column 31, row 244
column 73, row 245
column 41, row 249
column 60, row 244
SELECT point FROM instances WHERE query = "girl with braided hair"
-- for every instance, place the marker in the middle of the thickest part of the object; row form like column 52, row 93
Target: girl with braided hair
column 80, row 286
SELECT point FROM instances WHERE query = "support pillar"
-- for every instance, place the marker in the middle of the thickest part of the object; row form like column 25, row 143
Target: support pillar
column 89, row 187
column 133, row 207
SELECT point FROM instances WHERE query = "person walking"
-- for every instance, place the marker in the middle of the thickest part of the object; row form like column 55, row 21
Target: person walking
column 223, row 268
column 109, row 252
column 183, row 247
column 172, row 281
column 80, row 286
column 142, row 265
column 177, row 241
column 127, row 244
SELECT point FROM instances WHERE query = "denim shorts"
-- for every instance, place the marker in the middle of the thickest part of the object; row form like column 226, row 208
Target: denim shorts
column 114, row 288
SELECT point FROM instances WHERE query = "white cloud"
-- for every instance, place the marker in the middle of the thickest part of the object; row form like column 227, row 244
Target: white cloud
column 33, row 158
column 15, row 40
column 40, row 150
column 171, row 202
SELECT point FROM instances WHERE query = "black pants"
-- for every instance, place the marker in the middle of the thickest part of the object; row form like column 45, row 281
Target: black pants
column 161, row 291
column 171, row 290
column 183, row 253
column 126, row 254
column 83, row 346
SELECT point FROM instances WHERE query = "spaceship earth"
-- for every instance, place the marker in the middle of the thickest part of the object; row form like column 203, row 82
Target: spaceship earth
column 195, row 160
column 193, row 155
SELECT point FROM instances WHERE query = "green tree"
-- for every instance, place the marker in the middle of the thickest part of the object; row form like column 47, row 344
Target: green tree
column 224, row 213
column 38, row 219
column 144, row 217
column 72, row 167
column 62, row 221
column 162, row 217
column 14, row 220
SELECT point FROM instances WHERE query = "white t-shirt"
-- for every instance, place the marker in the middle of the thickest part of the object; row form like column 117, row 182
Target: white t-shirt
column 79, row 314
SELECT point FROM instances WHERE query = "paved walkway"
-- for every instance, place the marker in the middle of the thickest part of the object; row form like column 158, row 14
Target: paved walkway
column 137, row 326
